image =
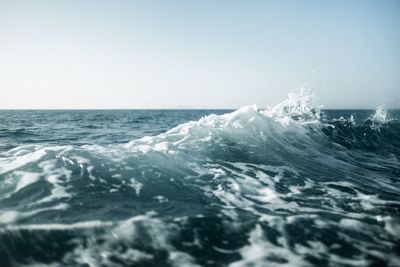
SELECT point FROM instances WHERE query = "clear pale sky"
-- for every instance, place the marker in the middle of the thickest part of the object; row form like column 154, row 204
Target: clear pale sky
column 197, row 54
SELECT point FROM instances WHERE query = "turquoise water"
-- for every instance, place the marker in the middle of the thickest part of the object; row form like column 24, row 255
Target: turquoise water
column 286, row 186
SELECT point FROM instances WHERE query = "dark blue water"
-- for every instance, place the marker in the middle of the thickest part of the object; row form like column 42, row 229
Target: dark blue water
column 283, row 187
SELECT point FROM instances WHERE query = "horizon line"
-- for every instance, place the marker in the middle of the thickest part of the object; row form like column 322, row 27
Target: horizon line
column 194, row 108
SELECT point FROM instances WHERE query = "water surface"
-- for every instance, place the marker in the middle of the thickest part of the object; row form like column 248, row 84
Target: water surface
column 286, row 186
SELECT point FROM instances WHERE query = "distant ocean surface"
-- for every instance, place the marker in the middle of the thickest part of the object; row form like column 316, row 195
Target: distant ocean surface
column 289, row 185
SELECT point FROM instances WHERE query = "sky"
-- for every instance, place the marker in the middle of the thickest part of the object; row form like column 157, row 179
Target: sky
column 86, row 54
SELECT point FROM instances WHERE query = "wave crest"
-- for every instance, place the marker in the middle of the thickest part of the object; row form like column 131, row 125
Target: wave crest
column 301, row 106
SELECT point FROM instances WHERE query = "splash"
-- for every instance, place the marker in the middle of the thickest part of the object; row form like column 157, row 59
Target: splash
column 300, row 106
column 380, row 116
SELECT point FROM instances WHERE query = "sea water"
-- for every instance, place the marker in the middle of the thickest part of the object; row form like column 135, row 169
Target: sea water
column 289, row 185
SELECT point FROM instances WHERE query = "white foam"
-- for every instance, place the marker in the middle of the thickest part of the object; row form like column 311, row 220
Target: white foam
column 103, row 251
column 20, row 158
column 351, row 223
column 181, row 259
column 161, row 199
column 8, row 216
column 56, row 227
column 26, row 179
column 58, row 177
column 135, row 184
column 11, row 216
column 392, row 225
column 261, row 252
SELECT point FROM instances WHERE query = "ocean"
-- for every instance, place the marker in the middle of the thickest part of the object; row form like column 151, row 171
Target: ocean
column 289, row 185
